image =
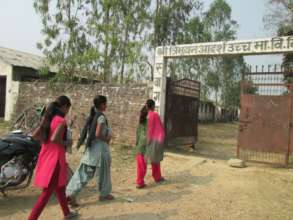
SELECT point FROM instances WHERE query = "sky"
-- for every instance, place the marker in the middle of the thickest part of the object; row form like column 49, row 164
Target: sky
column 249, row 16
column 21, row 26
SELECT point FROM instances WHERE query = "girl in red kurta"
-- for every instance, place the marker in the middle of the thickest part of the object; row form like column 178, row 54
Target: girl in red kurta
column 51, row 168
column 155, row 137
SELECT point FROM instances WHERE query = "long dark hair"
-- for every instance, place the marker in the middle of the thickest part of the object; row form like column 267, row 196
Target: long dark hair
column 150, row 103
column 52, row 110
column 143, row 115
column 98, row 101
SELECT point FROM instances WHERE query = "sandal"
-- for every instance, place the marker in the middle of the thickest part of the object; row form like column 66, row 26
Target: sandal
column 71, row 215
column 72, row 202
column 141, row 186
column 106, row 198
column 161, row 180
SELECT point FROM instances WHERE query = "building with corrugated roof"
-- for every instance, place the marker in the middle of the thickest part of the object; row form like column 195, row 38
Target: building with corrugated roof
column 16, row 66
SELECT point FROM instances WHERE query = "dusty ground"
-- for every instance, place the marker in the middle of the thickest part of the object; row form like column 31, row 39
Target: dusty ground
column 200, row 186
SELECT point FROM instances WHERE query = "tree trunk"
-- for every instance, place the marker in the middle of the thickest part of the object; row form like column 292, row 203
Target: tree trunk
column 126, row 39
column 106, row 53
column 152, row 70
column 216, row 102
column 156, row 34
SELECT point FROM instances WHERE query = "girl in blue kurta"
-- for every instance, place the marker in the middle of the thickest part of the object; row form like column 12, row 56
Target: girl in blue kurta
column 96, row 160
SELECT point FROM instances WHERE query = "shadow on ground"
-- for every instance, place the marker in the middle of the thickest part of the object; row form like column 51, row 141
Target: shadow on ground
column 17, row 201
column 135, row 216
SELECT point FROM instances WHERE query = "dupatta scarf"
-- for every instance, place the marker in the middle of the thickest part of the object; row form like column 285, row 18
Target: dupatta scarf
column 155, row 137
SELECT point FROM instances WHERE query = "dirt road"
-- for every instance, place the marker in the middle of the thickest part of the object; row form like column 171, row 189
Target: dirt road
column 197, row 187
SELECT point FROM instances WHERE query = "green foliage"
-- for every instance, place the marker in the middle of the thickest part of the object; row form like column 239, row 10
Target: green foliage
column 279, row 15
column 285, row 31
column 218, row 21
column 170, row 20
column 224, row 74
column 250, row 89
column 93, row 36
column 219, row 77
column 44, row 71
column 114, row 40
column 279, row 18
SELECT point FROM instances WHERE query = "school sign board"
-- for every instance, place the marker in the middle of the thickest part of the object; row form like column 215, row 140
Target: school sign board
column 275, row 45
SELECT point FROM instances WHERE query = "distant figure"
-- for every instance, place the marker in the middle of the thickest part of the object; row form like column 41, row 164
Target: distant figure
column 51, row 168
column 141, row 142
column 150, row 143
column 96, row 161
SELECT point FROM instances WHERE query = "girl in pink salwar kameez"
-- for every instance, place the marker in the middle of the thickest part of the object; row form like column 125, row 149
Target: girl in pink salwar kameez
column 51, row 168
column 150, row 144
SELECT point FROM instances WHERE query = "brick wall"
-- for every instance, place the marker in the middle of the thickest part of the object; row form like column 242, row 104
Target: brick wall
column 124, row 103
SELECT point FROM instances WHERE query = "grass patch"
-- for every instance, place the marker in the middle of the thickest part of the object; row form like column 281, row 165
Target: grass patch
column 216, row 140
column 123, row 155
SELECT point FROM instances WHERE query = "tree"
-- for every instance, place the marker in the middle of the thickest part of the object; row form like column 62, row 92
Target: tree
column 115, row 39
column 279, row 15
column 100, row 36
column 194, row 31
column 224, row 73
column 183, row 22
column 279, row 18
column 232, row 70
column 170, row 20
column 136, row 18
column 66, row 42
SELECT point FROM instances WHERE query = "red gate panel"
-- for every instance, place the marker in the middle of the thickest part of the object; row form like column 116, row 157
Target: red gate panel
column 265, row 123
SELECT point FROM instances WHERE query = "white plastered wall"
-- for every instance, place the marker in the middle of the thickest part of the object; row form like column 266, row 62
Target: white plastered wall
column 160, row 83
column 12, row 88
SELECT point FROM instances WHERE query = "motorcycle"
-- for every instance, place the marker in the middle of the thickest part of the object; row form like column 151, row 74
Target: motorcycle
column 18, row 157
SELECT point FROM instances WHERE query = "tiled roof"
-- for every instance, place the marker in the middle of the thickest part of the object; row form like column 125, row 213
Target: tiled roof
column 23, row 59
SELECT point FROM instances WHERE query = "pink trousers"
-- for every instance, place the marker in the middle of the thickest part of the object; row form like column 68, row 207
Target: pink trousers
column 46, row 194
column 142, row 170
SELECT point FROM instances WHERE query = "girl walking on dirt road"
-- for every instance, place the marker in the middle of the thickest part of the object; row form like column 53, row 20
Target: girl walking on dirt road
column 96, row 161
column 51, row 168
column 150, row 143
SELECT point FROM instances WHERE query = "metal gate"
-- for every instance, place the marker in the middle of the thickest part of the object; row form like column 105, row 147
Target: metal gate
column 266, row 116
column 2, row 96
column 181, row 118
